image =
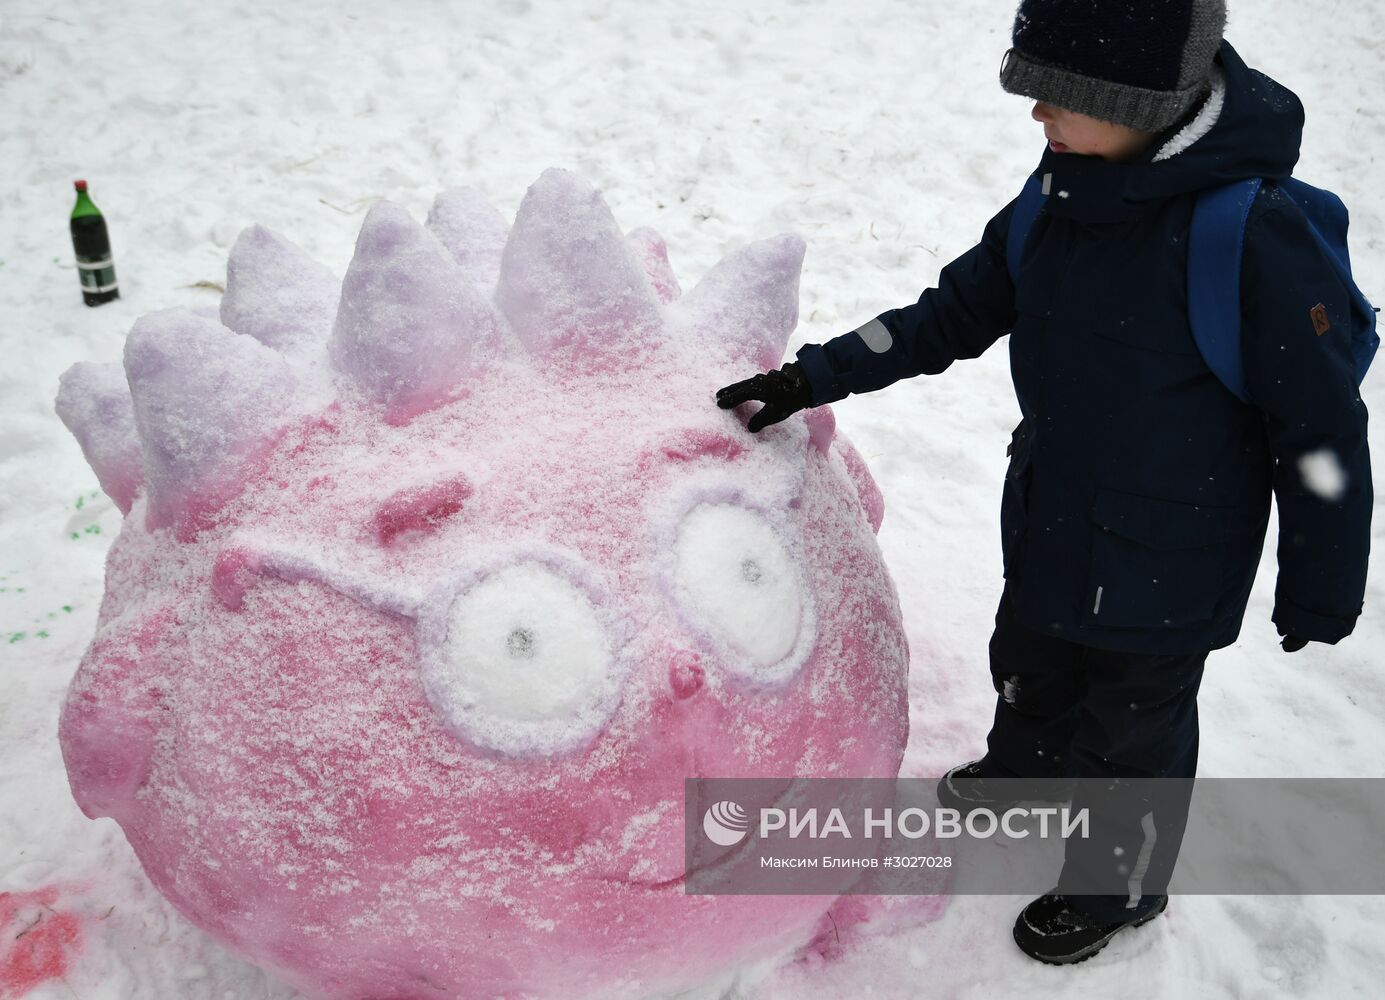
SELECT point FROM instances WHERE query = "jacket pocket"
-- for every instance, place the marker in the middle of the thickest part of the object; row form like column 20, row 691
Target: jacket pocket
column 1157, row 563
column 1014, row 501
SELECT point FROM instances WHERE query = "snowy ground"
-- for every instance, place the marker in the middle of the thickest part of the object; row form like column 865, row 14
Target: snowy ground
column 876, row 129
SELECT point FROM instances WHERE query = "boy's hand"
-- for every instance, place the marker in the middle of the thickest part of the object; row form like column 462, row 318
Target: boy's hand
column 784, row 392
column 1292, row 644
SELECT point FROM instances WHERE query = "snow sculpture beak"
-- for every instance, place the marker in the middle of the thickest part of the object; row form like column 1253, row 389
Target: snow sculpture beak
column 108, row 725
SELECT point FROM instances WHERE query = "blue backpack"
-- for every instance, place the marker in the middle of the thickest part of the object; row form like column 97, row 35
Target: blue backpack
column 1214, row 267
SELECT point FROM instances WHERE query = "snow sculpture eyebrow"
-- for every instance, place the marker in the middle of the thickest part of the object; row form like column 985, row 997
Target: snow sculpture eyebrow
column 420, row 508
column 246, row 559
column 696, row 443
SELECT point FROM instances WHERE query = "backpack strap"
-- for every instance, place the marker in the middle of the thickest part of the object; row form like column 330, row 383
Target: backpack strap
column 1027, row 206
column 1215, row 243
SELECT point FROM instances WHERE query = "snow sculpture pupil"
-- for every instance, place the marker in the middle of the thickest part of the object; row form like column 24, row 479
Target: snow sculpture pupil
column 520, row 643
column 742, row 588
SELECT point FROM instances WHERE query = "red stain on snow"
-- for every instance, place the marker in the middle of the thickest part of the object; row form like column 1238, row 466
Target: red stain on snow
column 36, row 940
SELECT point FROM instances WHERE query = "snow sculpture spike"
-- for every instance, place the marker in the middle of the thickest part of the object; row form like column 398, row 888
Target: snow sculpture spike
column 207, row 404
column 474, row 232
column 652, row 252
column 751, row 298
column 94, row 402
column 276, row 293
column 409, row 323
column 568, row 278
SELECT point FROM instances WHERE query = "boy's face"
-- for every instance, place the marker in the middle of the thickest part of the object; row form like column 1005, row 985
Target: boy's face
column 1070, row 132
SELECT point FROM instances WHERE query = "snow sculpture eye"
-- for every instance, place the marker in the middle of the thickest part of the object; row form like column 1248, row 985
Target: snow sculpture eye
column 522, row 662
column 740, row 586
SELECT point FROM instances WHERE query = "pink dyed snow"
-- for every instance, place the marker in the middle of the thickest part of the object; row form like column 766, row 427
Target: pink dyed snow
column 37, row 941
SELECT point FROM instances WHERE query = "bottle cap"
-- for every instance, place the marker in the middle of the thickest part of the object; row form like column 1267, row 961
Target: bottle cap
column 80, row 185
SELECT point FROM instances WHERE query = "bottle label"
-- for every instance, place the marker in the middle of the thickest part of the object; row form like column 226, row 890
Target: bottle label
column 97, row 274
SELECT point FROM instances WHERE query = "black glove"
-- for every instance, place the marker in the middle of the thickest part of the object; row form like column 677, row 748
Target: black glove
column 1292, row 644
column 784, row 392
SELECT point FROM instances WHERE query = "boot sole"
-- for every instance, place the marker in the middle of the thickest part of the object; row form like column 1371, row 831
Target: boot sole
column 947, row 796
column 1082, row 954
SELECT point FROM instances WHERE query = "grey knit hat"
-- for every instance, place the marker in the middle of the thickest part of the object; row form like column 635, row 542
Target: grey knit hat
column 1140, row 64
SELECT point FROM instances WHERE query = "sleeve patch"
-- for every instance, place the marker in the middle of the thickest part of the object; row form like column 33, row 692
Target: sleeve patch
column 1320, row 321
column 875, row 335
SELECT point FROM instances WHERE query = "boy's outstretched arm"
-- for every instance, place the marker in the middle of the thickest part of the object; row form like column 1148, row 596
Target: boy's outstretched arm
column 1305, row 383
column 972, row 307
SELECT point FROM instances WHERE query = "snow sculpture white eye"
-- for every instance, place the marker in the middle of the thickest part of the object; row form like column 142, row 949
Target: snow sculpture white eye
column 521, row 662
column 741, row 588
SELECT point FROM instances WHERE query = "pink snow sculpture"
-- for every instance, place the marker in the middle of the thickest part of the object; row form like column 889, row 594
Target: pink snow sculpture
column 408, row 646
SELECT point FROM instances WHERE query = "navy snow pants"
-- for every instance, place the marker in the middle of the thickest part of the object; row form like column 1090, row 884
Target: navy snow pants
column 1068, row 710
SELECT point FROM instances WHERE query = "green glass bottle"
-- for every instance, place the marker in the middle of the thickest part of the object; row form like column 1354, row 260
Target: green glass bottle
column 93, row 247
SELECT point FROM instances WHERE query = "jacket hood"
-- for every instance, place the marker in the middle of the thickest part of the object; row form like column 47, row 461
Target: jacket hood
column 1256, row 132
column 1248, row 126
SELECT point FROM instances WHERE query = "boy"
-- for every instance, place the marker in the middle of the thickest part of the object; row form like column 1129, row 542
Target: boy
column 1137, row 495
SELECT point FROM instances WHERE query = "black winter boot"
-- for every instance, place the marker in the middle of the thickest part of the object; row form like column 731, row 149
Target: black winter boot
column 980, row 784
column 1054, row 931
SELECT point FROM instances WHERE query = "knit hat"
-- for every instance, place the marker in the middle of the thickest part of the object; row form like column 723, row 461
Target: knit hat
column 1142, row 64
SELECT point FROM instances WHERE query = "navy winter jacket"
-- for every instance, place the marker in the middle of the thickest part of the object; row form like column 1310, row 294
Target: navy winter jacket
column 1137, row 496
